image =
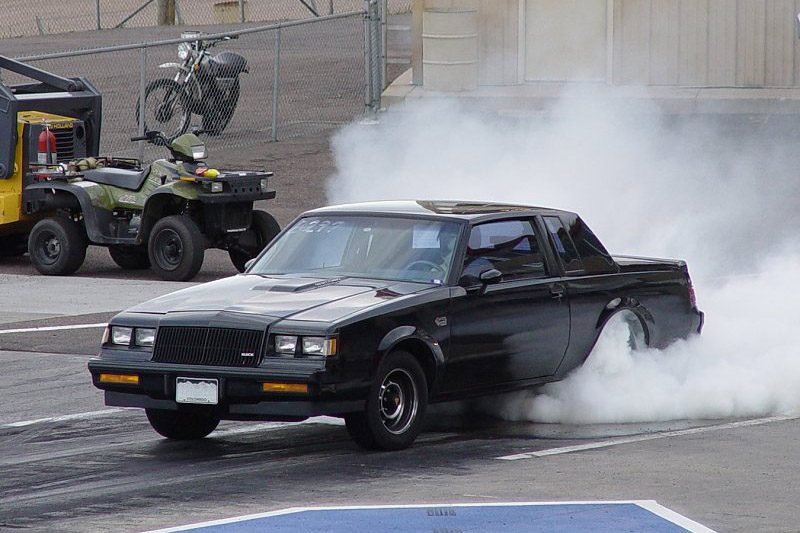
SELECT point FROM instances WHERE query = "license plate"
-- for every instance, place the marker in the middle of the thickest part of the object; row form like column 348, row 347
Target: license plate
column 197, row 390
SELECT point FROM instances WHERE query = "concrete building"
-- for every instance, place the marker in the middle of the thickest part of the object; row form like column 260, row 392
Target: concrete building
column 729, row 56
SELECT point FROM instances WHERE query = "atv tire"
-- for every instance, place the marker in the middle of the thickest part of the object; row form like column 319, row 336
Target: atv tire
column 130, row 257
column 176, row 248
column 57, row 246
column 262, row 230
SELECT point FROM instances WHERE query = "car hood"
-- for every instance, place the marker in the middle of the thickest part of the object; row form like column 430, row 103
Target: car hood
column 315, row 299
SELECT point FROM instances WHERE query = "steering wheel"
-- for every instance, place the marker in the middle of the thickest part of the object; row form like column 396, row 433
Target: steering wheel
column 433, row 267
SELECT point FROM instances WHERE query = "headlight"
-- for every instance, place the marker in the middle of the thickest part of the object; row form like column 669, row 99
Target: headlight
column 145, row 337
column 264, row 184
column 121, row 335
column 319, row 346
column 183, row 50
column 286, row 344
column 216, row 186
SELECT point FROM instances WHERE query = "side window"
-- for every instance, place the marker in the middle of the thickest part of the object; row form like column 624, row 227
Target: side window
column 596, row 260
column 510, row 246
column 563, row 244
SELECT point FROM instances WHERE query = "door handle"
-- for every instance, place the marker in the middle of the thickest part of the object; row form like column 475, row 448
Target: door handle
column 557, row 292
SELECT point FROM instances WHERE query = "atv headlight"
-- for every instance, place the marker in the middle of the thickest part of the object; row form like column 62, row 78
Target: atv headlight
column 216, row 186
column 121, row 335
column 264, row 184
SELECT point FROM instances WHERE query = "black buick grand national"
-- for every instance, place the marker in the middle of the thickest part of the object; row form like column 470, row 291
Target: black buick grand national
column 372, row 311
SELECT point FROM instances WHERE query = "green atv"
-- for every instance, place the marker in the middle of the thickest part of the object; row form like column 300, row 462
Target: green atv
column 163, row 215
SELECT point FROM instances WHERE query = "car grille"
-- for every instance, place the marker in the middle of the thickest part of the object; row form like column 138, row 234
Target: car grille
column 208, row 346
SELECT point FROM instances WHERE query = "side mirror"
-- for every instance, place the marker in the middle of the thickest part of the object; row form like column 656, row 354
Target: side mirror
column 491, row 276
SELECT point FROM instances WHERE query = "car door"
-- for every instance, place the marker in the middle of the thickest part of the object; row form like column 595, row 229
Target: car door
column 514, row 329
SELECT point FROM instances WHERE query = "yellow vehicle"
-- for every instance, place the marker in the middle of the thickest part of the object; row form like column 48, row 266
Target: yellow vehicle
column 42, row 125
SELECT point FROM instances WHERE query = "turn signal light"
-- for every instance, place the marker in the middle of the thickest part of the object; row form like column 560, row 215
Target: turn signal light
column 129, row 379
column 301, row 388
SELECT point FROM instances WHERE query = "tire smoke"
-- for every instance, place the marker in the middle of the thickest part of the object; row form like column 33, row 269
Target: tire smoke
column 719, row 192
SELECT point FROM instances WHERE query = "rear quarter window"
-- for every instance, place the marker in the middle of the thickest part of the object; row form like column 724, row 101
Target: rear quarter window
column 595, row 257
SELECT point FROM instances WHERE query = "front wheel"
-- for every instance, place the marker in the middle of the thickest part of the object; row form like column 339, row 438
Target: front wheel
column 176, row 248
column 181, row 426
column 395, row 407
column 57, row 246
column 262, row 230
column 167, row 108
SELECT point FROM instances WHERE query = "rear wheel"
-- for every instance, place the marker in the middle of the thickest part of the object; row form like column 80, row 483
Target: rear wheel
column 176, row 248
column 57, row 246
column 395, row 406
column 219, row 116
column 181, row 426
column 262, row 230
column 130, row 257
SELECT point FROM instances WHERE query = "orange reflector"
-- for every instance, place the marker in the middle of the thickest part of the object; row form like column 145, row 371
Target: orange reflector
column 285, row 387
column 119, row 378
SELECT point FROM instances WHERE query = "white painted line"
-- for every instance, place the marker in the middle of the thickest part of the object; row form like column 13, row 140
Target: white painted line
column 671, row 516
column 53, row 328
column 641, row 438
column 62, row 418
column 649, row 505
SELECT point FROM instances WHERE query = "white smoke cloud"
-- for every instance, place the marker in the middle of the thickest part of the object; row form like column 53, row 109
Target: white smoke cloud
column 648, row 185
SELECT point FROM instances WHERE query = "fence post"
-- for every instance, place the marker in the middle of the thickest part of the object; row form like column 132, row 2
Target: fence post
column 142, row 86
column 367, row 69
column 384, row 15
column 98, row 13
column 241, row 10
column 276, row 82
column 375, row 48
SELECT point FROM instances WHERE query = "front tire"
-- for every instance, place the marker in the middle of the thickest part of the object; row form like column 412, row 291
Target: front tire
column 176, row 425
column 395, row 406
column 176, row 248
column 262, row 230
column 167, row 108
column 57, row 246
column 130, row 257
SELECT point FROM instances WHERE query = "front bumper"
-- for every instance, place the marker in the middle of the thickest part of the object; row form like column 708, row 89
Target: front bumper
column 240, row 394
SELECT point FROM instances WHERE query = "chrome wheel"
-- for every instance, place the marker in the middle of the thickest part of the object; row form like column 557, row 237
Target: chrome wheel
column 398, row 400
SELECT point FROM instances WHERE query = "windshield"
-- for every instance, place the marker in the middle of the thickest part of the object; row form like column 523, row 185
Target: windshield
column 368, row 247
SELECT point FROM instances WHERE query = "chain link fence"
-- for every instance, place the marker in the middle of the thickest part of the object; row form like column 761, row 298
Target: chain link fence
column 303, row 76
column 27, row 17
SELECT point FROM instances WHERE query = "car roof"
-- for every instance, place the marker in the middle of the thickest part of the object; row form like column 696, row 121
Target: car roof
column 468, row 210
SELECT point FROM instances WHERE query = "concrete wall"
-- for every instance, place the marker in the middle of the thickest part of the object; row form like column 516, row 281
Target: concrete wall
column 682, row 43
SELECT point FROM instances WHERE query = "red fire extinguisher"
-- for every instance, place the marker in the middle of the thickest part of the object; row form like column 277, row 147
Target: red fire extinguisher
column 47, row 147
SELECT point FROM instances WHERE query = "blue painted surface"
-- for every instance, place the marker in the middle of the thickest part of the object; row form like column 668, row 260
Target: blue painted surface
column 561, row 518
